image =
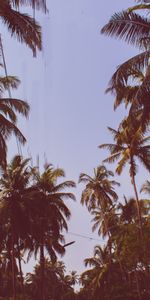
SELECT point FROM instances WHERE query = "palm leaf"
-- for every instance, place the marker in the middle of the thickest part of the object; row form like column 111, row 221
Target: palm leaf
column 146, row 187
column 128, row 26
column 37, row 4
column 122, row 163
column 8, row 82
column 138, row 7
column 3, row 151
column 22, row 26
column 20, row 106
column 132, row 67
column 7, row 128
column 84, row 178
column 113, row 148
column 63, row 185
column 7, row 111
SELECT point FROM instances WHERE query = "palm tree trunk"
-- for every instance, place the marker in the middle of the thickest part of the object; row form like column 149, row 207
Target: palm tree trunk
column 137, row 285
column 20, row 271
column 13, row 268
column 136, row 198
column 109, row 236
column 42, row 265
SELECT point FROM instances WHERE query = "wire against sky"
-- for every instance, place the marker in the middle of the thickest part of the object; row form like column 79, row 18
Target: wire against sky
column 84, row 236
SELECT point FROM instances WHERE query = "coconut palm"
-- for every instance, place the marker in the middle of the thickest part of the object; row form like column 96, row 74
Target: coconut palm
column 21, row 25
column 134, row 29
column 99, row 191
column 9, row 108
column 105, row 224
column 128, row 210
column 72, row 278
column 129, row 145
column 13, row 184
column 48, row 215
column 146, row 187
column 97, row 277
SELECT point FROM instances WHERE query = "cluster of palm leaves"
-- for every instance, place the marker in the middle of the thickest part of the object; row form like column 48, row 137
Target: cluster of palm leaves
column 121, row 269
column 33, row 215
column 28, row 31
column 21, row 25
column 33, row 212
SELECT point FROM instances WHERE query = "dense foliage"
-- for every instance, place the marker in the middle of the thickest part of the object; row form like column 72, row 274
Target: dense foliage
column 33, row 210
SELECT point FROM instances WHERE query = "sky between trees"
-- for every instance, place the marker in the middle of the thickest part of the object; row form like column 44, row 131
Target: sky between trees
column 65, row 87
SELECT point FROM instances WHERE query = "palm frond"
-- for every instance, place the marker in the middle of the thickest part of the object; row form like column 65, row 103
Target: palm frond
column 9, row 82
column 146, row 187
column 132, row 67
column 7, row 128
column 19, row 106
column 35, row 4
column 7, row 111
column 113, row 148
column 3, row 151
column 21, row 26
column 138, row 7
column 121, row 164
column 128, row 26
column 84, row 178
column 63, row 195
column 144, row 158
column 63, row 185
column 112, row 158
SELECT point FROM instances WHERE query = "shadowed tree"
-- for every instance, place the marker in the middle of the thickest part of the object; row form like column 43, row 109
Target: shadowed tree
column 13, row 183
column 9, row 108
column 129, row 145
column 134, row 29
column 97, row 278
column 108, row 226
column 99, row 191
column 49, row 215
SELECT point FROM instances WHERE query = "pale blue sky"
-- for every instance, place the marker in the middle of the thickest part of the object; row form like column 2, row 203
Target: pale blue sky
column 65, row 87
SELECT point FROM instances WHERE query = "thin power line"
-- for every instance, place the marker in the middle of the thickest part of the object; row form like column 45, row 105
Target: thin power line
column 84, row 236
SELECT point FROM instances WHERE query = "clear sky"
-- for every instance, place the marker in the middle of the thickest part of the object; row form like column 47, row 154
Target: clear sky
column 70, row 113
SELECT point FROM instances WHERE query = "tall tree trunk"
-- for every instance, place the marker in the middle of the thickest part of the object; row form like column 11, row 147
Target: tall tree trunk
column 136, row 198
column 138, row 287
column 13, row 268
column 42, row 265
column 20, row 271
column 110, row 236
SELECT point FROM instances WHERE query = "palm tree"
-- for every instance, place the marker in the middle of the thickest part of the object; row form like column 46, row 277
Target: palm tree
column 48, row 215
column 72, row 278
column 134, row 29
column 107, row 223
column 8, row 119
column 128, row 146
column 9, row 108
column 146, row 187
column 97, row 277
column 99, row 191
column 13, row 183
column 21, row 25
column 128, row 210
